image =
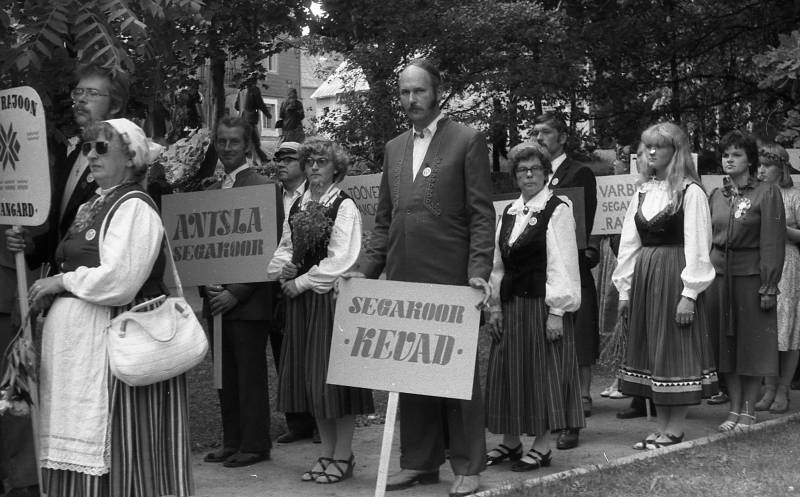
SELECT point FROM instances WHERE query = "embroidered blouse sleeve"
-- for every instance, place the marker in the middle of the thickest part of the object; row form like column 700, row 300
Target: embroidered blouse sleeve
column 629, row 246
column 127, row 254
column 283, row 253
column 343, row 250
column 563, row 287
column 498, row 270
column 699, row 272
column 772, row 242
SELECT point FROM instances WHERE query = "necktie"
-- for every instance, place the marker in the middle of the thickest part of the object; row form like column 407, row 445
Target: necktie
column 228, row 181
column 420, row 134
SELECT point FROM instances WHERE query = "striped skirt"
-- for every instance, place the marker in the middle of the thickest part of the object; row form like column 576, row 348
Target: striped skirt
column 304, row 363
column 669, row 363
column 149, row 444
column 531, row 382
column 150, row 454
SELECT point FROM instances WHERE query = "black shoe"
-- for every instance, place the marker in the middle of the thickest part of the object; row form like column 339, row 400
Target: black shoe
column 631, row 413
column 539, row 461
column 31, row 491
column 408, row 477
column 241, row 459
column 568, row 439
column 292, row 436
column 220, row 455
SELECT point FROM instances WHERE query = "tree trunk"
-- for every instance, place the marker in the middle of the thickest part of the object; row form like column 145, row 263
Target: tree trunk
column 216, row 90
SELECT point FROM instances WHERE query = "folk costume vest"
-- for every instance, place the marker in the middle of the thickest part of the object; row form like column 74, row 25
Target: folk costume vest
column 525, row 260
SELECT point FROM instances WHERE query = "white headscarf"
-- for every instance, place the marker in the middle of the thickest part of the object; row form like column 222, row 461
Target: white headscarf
column 145, row 151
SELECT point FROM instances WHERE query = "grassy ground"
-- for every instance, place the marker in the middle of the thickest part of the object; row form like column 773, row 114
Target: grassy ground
column 764, row 463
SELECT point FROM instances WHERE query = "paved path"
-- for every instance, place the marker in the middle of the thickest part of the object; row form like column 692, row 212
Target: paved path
column 606, row 438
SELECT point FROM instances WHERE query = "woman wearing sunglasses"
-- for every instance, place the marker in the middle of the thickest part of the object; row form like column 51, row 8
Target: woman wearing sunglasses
column 100, row 437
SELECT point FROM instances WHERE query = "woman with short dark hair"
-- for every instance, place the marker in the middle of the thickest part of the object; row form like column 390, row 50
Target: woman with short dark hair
column 749, row 242
column 532, row 378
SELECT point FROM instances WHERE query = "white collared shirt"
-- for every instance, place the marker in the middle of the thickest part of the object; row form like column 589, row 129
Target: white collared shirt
column 78, row 167
column 563, row 283
column 421, row 144
column 343, row 247
column 230, row 178
column 290, row 196
column 555, row 164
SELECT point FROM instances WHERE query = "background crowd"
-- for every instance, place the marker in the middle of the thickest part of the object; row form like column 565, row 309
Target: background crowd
column 705, row 284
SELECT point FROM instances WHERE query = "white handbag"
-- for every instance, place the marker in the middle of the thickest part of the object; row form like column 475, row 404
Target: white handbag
column 157, row 339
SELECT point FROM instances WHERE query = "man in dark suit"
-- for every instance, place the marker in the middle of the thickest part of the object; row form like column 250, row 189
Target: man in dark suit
column 100, row 94
column 435, row 224
column 246, row 312
column 551, row 131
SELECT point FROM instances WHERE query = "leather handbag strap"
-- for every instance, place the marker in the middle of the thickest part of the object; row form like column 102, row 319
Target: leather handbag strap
column 146, row 198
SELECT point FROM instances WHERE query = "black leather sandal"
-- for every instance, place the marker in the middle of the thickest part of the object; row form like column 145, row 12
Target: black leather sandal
column 539, row 461
column 642, row 444
column 506, row 453
column 311, row 474
column 673, row 439
column 344, row 470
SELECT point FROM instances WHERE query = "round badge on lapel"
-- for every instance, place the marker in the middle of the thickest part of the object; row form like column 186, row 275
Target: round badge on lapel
column 426, row 172
column 89, row 178
column 91, row 234
column 555, row 181
column 533, row 221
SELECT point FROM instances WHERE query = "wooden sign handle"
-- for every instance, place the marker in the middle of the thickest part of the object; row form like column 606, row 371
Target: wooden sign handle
column 24, row 308
column 386, row 445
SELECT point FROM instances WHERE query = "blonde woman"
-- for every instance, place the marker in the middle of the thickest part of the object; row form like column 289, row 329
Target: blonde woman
column 663, row 269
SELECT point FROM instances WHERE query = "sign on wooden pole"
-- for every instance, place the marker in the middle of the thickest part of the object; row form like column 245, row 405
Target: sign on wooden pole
column 222, row 236
column 24, row 192
column 397, row 336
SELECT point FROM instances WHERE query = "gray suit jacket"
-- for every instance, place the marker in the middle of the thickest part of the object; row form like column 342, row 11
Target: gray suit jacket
column 439, row 227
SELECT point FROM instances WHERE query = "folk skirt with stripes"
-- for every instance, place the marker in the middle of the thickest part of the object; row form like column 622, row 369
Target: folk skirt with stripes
column 304, row 363
column 149, row 445
column 532, row 382
column 669, row 363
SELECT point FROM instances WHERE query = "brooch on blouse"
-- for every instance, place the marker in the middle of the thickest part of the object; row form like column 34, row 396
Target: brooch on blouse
column 742, row 207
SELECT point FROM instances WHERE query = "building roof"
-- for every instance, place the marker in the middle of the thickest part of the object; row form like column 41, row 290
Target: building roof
column 344, row 78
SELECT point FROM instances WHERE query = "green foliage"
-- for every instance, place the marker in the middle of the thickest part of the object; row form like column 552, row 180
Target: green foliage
column 780, row 67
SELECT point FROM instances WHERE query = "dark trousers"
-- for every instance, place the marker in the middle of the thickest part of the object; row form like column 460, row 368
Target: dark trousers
column 429, row 425
column 17, row 457
column 244, row 397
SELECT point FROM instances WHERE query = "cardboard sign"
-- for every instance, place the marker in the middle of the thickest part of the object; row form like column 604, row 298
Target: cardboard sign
column 572, row 196
column 222, row 236
column 365, row 191
column 24, row 163
column 405, row 337
column 613, row 196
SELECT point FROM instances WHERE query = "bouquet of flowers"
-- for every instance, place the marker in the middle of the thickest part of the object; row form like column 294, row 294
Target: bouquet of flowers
column 182, row 160
column 310, row 227
column 19, row 376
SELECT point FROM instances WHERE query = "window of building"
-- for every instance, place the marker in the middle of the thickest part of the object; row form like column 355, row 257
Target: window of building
column 268, row 125
column 271, row 63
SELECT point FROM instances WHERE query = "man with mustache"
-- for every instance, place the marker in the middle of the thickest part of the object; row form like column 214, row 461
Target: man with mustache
column 435, row 224
column 99, row 95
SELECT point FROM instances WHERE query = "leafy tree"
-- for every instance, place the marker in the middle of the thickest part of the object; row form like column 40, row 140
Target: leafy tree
column 161, row 42
column 780, row 68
